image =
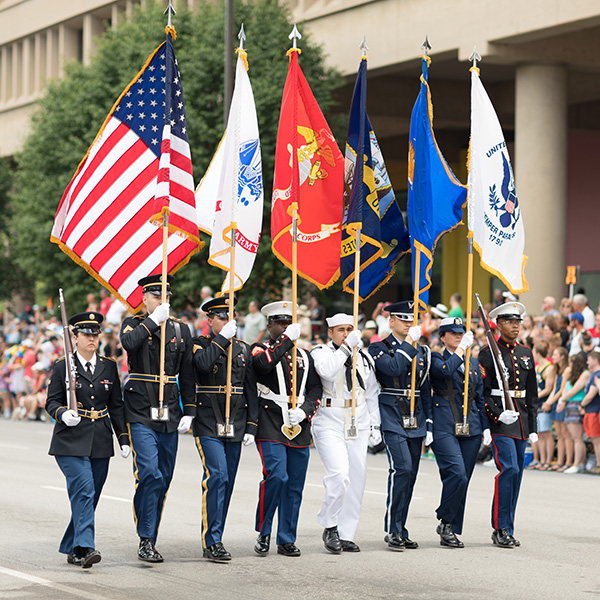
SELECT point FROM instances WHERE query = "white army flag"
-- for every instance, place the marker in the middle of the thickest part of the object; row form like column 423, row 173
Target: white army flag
column 495, row 218
column 231, row 191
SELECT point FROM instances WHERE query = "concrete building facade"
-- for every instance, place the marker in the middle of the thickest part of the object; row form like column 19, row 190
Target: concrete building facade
column 541, row 68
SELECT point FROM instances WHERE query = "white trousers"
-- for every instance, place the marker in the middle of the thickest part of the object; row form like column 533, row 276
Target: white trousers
column 345, row 463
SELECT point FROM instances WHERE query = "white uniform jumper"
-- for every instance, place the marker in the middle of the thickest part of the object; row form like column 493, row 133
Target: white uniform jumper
column 345, row 460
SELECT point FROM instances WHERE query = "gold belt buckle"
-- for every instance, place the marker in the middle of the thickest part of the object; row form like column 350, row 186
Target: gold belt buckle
column 94, row 414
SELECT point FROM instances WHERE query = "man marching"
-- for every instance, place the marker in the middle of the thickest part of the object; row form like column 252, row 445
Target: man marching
column 454, row 445
column 510, row 429
column 283, row 435
column 344, row 458
column 403, row 439
column 154, row 435
column 218, row 447
column 82, row 441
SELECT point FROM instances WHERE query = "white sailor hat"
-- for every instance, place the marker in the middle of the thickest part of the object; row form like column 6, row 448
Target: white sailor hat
column 453, row 324
column 278, row 311
column 439, row 310
column 508, row 310
column 340, row 319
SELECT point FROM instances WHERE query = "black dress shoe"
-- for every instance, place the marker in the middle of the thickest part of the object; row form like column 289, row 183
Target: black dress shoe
column 331, row 539
column 147, row 552
column 394, row 542
column 409, row 544
column 73, row 560
column 90, row 557
column 447, row 536
column 349, row 546
column 217, row 553
column 288, row 549
column 515, row 541
column 263, row 542
column 502, row 538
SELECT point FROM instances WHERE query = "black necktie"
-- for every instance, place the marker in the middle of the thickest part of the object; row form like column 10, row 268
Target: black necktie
column 88, row 368
column 348, row 365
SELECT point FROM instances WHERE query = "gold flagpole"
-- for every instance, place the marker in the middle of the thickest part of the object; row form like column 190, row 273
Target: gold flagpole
column 352, row 431
column 294, row 398
column 228, row 428
column 465, row 424
column 413, row 376
column 163, row 325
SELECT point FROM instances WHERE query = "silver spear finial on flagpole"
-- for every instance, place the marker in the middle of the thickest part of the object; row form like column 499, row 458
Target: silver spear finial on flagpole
column 294, row 36
column 426, row 47
column 474, row 56
column 363, row 45
column 170, row 11
column 241, row 37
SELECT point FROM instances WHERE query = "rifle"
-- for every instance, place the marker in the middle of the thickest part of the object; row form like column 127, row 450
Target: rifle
column 497, row 356
column 69, row 355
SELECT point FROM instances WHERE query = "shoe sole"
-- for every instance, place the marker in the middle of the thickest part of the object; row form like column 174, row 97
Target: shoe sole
column 447, row 545
column 216, row 560
column 151, row 559
column 350, row 550
column 92, row 560
column 260, row 552
column 333, row 550
column 286, row 554
column 496, row 543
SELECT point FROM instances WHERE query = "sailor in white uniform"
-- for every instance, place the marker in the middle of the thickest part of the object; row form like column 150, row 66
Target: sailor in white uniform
column 342, row 449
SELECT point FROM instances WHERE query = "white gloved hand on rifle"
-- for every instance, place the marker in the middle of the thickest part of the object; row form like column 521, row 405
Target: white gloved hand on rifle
column 508, row 417
column 70, row 418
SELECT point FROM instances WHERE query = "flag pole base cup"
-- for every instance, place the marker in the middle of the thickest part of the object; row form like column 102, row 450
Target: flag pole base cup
column 409, row 422
column 351, row 431
column 462, row 429
column 225, row 430
column 291, row 432
column 159, row 414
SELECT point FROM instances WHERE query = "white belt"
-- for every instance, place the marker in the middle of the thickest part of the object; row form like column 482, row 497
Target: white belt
column 340, row 402
column 511, row 393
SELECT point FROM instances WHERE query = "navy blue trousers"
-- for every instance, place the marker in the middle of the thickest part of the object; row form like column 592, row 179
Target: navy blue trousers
column 85, row 478
column 509, row 455
column 404, row 455
column 456, row 458
column 284, row 472
column 154, row 456
column 220, row 461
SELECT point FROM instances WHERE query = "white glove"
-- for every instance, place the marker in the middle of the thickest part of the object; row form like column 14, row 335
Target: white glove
column 487, row 437
column 375, row 437
column 467, row 341
column 353, row 339
column 508, row 417
column 161, row 313
column 70, row 418
column 229, row 329
column 297, row 415
column 185, row 423
column 533, row 438
column 414, row 333
column 125, row 451
column 293, row 331
column 248, row 439
column 428, row 438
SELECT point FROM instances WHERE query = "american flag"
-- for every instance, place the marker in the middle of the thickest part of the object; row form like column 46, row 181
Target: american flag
column 138, row 168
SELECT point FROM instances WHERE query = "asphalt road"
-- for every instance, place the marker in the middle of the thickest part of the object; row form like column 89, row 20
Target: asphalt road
column 558, row 523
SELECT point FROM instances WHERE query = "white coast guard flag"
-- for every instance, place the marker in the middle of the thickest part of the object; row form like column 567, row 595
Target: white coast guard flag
column 231, row 191
column 494, row 213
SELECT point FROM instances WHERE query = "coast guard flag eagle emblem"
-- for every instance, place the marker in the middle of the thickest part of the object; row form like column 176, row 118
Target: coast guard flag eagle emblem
column 495, row 218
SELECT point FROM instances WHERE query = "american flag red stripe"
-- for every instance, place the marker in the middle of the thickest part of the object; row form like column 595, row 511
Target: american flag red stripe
column 138, row 167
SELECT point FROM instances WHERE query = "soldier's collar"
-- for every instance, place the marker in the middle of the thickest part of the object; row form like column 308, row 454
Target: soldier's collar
column 506, row 344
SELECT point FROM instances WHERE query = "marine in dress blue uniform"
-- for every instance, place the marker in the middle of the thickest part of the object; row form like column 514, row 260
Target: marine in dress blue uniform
column 510, row 429
column 220, row 454
column 82, row 441
column 455, row 452
column 154, row 443
column 284, row 460
column 393, row 358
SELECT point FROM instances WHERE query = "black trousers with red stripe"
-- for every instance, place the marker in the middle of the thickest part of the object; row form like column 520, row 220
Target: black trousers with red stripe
column 509, row 455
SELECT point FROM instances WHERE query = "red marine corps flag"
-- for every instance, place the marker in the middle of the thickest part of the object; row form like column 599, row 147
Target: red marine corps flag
column 309, row 181
column 137, row 170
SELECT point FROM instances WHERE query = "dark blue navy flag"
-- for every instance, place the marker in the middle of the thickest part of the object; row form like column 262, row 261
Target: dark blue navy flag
column 369, row 203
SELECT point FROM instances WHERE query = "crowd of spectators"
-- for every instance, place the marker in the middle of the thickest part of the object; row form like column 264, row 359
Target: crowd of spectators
column 564, row 337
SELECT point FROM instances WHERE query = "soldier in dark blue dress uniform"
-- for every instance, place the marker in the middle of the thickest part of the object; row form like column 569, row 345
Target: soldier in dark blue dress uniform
column 393, row 358
column 154, row 442
column 82, row 441
column 455, row 448
column 510, row 429
column 284, row 460
column 220, row 450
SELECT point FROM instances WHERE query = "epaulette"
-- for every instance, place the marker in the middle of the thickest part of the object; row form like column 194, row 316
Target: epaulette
column 59, row 359
column 108, row 358
column 139, row 317
column 177, row 320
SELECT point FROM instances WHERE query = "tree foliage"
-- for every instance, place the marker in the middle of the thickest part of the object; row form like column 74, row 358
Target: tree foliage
column 73, row 109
